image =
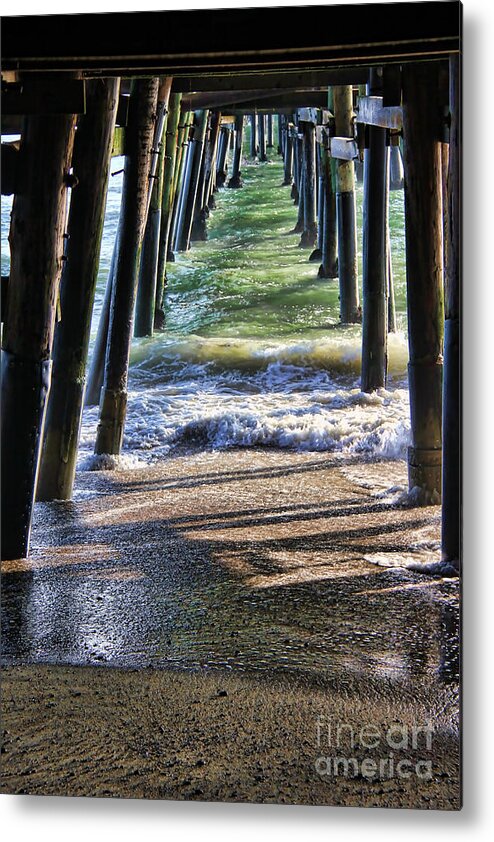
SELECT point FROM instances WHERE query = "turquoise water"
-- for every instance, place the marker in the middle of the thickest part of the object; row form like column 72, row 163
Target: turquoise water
column 253, row 352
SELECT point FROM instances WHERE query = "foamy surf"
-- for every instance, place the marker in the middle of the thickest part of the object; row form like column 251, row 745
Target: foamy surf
column 282, row 406
column 418, row 562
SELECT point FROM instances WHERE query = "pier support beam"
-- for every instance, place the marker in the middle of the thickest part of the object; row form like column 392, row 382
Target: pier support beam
column 171, row 148
column 262, row 137
column 424, row 270
column 253, row 135
column 269, row 131
column 222, row 163
column 309, row 235
column 329, row 242
column 374, row 269
column 346, row 211
column 236, row 177
column 140, row 129
column 191, row 182
column 451, row 481
column 148, row 270
column 288, row 158
column 91, row 163
column 36, row 243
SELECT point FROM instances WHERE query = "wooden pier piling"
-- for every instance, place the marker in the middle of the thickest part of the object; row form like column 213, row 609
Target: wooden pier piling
column 451, row 480
column 346, row 211
column 288, row 158
column 91, row 163
column 191, row 181
column 140, row 130
column 329, row 241
column 236, row 177
column 36, row 243
column 309, row 234
column 148, row 270
column 170, row 155
column 424, row 270
column 262, row 137
column 253, row 135
column 269, row 131
column 374, row 268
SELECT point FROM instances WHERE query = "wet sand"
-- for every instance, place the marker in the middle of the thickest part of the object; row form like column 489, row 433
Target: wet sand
column 180, row 630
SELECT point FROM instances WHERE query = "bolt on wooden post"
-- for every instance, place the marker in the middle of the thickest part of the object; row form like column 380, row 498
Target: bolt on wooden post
column 424, row 271
column 346, row 211
column 36, row 245
column 91, row 163
column 140, row 130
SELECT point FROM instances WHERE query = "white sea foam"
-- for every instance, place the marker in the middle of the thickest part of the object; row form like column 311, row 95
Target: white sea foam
column 417, row 562
column 177, row 402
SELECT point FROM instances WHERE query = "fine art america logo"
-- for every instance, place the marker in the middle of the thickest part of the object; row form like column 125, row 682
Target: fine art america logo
column 373, row 752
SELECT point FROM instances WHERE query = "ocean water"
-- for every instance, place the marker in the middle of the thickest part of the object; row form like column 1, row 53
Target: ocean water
column 253, row 353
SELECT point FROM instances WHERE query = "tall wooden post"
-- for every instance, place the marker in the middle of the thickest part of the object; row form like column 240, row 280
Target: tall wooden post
column 253, row 135
column 209, row 201
column 221, row 167
column 451, row 481
column 36, row 243
column 309, row 235
column 280, row 135
column 374, row 281
column 329, row 242
column 346, row 211
column 395, row 168
column 262, row 137
column 148, row 270
column 236, row 177
column 140, row 129
column 91, row 163
column 269, row 131
column 392, row 328
column 171, row 147
column 191, row 181
column 178, row 179
column 288, row 158
column 423, row 227
column 97, row 363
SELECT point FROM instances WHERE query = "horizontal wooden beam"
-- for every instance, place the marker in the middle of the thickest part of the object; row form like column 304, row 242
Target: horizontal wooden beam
column 214, row 99
column 193, row 42
column 273, row 81
column 284, row 102
column 370, row 110
column 44, row 96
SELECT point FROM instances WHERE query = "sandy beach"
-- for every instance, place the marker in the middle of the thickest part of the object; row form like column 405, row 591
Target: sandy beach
column 181, row 629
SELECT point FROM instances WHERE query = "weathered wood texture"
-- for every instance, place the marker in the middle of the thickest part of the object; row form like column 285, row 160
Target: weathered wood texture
column 374, row 263
column 309, row 234
column 167, row 198
column 236, row 177
column 148, row 270
column 91, row 163
column 36, row 244
column 191, row 181
column 346, row 211
column 424, row 270
column 140, row 131
column 261, row 121
column 451, row 483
